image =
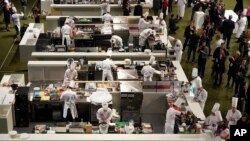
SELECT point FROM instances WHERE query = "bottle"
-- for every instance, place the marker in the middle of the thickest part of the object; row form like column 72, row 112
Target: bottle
column 81, row 123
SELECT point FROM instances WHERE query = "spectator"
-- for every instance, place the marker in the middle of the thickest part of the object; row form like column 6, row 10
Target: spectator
column 126, row 7
column 165, row 8
column 189, row 30
column 247, row 106
column 172, row 24
column 248, row 16
column 193, row 44
column 7, row 16
column 234, row 62
column 157, row 4
column 138, row 9
column 240, row 76
column 239, row 6
column 219, row 41
column 36, row 13
column 242, row 96
column 210, row 34
column 24, row 7
column 219, row 67
column 170, row 6
column 196, row 7
column 202, row 59
column 227, row 30
column 243, row 120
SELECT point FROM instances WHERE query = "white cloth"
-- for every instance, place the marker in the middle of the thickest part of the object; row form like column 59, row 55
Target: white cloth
column 69, row 97
column 16, row 20
column 66, row 32
column 201, row 96
column 148, row 72
column 242, row 24
column 104, row 115
column 233, row 117
column 144, row 35
column 211, row 121
column 143, row 24
column 107, row 18
column 181, row 7
column 170, row 120
column 107, row 66
column 117, row 41
column 104, row 7
column 178, row 50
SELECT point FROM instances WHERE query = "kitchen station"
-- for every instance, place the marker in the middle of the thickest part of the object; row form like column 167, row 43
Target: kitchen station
column 90, row 78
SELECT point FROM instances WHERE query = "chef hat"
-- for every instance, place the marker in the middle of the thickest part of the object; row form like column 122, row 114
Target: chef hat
column 73, row 65
column 14, row 10
column 178, row 102
column 152, row 59
column 234, row 101
column 127, row 61
column 145, row 14
column 216, row 107
column 171, row 38
column 72, row 84
column 105, row 105
column 218, row 115
column 161, row 15
column 194, row 72
column 198, row 84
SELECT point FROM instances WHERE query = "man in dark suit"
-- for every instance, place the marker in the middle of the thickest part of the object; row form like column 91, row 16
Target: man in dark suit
column 172, row 24
column 138, row 9
column 193, row 44
column 189, row 30
column 227, row 29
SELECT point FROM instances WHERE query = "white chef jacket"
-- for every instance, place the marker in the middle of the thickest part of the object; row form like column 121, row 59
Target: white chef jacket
column 143, row 36
column 235, row 116
column 104, row 116
column 69, row 97
column 107, row 66
column 66, row 33
column 178, row 50
column 148, row 72
column 118, row 41
column 242, row 24
column 16, row 20
column 196, row 83
column 70, row 75
column 170, row 120
column 107, row 18
column 181, row 7
column 162, row 24
column 211, row 120
column 201, row 96
column 71, row 22
column 143, row 24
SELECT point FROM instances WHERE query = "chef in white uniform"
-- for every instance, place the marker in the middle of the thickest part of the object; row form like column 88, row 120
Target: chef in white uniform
column 212, row 120
column 148, row 71
column 162, row 22
column 143, row 23
column 104, row 114
column 178, row 49
column 69, row 97
column 116, row 42
column 104, row 6
column 107, row 18
column 233, row 115
column 181, row 8
column 66, row 33
column 71, row 21
column 70, row 74
column 242, row 24
column 16, row 21
column 201, row 96
column 170, row 119
column 144, row 36
column 107, row 66
column 196, row 82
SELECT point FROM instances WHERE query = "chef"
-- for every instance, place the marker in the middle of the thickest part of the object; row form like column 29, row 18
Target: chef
column 70, row 74
column 212, row 120
column 69, row 97
column 116, row 42
column 144, row 36
column 181, row 8
column 66, row 33
column 71, row 21
column 196, row 82
column 143, row 23
column 16, row 21
column 233, row 115
column 104, row 114
column 170, row 118
column 148, row 71
column 201, row 96
column 242, row 22
column 162, row 22
column 178, row 49
column 107, row 66
column 104, row 7
column 107, row 18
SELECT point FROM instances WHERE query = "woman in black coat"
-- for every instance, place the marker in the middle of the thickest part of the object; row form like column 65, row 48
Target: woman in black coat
column 219, row 67
column 7, row 16
column 247, row 105
column 239, row 6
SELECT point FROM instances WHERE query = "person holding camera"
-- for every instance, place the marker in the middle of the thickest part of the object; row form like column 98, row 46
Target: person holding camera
column 202, row 59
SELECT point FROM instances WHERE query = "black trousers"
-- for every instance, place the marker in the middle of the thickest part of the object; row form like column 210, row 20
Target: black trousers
column 125, row 12
column 190, row 50
column 238, row 82
column 17, row 30
column 37, row 19
column 201, row 66
column 229, row 77
column 248, row 20
column 218, row 75
column 228, row 38
column 185, row 43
